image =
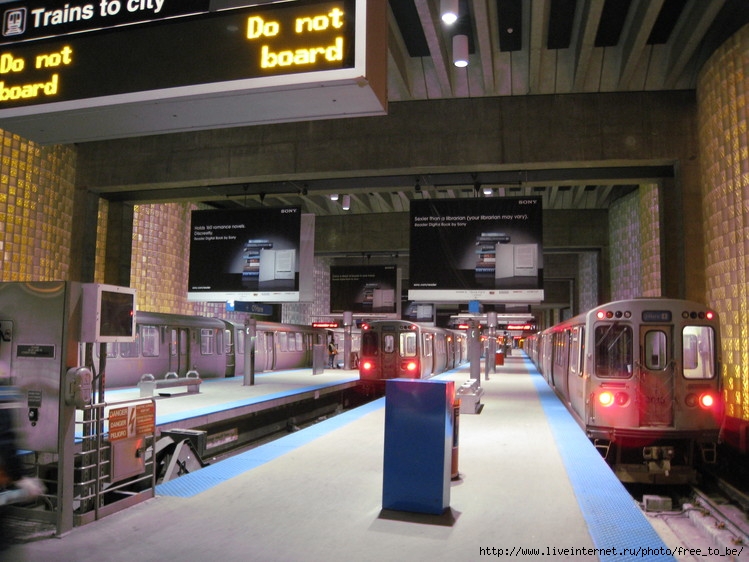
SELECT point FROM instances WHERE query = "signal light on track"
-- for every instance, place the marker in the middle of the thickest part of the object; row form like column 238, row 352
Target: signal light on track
column 606, row 398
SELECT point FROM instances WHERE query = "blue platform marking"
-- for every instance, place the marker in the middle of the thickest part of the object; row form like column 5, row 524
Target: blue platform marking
column 614, row 522
column 205, row 478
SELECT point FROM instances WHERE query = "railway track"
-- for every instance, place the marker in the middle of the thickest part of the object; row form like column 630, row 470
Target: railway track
column 705, row 524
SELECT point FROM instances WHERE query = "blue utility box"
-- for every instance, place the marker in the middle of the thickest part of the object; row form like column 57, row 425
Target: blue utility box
column 418, row 445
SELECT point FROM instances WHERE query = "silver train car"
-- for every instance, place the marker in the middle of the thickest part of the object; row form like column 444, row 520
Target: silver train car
column 402, row 349
column 214, row 348
column 642, row 378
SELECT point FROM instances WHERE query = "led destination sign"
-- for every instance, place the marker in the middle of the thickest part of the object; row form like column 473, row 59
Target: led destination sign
column 26, row 21
column 246, row 43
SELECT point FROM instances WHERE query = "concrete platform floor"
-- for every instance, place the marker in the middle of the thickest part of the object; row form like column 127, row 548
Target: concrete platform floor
column 322, row 501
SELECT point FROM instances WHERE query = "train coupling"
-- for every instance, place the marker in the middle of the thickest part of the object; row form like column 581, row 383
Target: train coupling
column 658, row 459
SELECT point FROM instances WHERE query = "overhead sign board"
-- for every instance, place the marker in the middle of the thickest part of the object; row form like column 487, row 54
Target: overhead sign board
column 148, row 63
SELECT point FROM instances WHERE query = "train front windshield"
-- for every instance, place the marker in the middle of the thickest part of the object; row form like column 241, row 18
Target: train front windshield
column 613, row 350
column 699, row 352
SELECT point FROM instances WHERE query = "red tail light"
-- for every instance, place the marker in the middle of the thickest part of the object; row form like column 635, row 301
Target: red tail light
column 367, row 365
column 411, row 366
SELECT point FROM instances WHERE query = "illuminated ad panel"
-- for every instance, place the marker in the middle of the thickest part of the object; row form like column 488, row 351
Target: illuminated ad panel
column 366, row 289
column 60, row 57
column 245, row 255
column 484, row 249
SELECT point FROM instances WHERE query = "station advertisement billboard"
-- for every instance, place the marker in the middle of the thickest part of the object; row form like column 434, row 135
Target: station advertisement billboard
column 364, row 289
column 483, row 249
column 248, row 255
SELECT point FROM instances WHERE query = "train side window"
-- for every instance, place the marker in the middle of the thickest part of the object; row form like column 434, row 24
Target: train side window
column 408, row 344
column 111, row 349
column 656, row 350
column 129, row 349
column 240, row 341
column 299, row 341
column 150, row 342
column 698, row 344
column 207, row 341
column 283, row 341
column 613, row 351
column 575, row 350
column 428, row 345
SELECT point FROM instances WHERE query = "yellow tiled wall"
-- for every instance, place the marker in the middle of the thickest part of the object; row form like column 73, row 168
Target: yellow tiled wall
column 722, row 94
column 36, row 208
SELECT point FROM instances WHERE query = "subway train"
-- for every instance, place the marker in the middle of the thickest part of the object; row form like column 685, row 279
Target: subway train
column 642, row 378
column 170, row 343
column 402, row 349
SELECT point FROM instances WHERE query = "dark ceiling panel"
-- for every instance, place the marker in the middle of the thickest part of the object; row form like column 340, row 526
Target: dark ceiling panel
column 612, row 22
column 666, row 21
column 733, row 16
column 561, row 20
column 410, row 27
column 510, row 22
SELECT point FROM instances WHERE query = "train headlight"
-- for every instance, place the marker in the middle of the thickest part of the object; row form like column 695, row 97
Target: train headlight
column 707, row 401
column 606, row 399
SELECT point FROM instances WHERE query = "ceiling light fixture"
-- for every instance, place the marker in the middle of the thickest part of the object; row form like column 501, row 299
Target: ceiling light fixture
column 460, row 50
column 449, row 10
column 346, row 202
column 334, row 197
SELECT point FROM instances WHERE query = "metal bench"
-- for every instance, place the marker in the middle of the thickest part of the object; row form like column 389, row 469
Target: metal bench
column 148, row 384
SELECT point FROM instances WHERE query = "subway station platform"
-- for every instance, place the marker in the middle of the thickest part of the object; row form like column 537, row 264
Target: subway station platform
column 530, row 486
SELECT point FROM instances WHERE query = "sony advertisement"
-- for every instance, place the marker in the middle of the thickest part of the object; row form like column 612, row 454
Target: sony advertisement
column 367, row 289
column 245, row 255
column 481, row 249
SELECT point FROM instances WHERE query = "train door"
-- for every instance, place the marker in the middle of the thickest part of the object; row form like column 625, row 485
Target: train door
column 179, row 351
column 427, row 356
column 270, row 351
column 560, row 360
column 231, row 348
column 389, row 345
column 575, row 380
column 656, row 376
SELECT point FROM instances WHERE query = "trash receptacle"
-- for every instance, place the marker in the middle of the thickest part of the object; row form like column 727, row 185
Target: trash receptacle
column 500, row 359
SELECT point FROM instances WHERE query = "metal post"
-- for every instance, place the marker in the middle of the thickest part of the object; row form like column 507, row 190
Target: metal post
column 491, row 349
column 249, row 351
column 347, row 321
column 474, row 350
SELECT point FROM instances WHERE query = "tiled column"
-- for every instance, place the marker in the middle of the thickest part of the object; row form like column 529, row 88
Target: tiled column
column 722, row 92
